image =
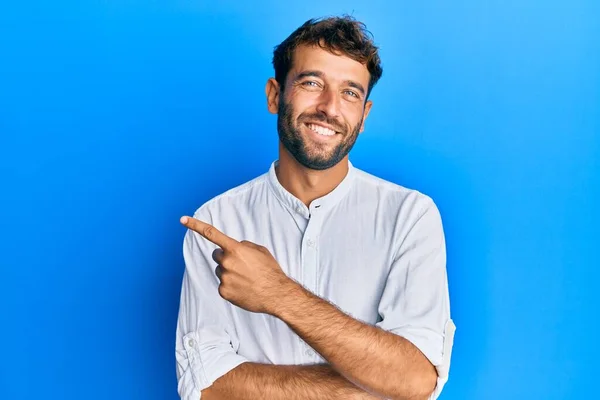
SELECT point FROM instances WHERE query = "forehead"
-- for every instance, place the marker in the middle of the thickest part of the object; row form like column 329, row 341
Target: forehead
column 334, row 67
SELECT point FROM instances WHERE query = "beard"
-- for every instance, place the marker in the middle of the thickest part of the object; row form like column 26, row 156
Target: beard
column 307, row 153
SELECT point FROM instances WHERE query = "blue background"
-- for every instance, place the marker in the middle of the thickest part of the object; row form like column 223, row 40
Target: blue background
column 117, row 117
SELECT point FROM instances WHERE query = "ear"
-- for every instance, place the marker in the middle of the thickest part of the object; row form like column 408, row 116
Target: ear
column 272, row 91
column 366, row 112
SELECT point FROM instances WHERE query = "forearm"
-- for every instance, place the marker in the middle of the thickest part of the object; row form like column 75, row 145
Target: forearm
column 373, row 359
column 283, row 382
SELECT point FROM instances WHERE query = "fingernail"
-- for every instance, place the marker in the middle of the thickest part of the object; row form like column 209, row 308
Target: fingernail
column 184, row 220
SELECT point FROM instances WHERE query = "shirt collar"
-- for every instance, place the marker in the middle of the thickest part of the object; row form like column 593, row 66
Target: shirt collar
column 324, row 203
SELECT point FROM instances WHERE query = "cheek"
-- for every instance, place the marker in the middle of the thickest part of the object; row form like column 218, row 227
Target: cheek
column 354, row 115
column 303, row 101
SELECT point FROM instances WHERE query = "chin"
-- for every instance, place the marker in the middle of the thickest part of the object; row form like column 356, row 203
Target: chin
column 317, row 164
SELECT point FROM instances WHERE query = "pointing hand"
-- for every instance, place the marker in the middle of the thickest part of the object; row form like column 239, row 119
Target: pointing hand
column 250, row 276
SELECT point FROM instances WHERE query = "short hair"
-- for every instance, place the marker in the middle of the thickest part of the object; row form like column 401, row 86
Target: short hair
column 338, row 35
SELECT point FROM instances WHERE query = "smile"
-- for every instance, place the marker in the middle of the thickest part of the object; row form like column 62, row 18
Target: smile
column 321, row 130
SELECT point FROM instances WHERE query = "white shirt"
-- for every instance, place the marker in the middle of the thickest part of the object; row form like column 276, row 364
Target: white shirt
column 373, row 248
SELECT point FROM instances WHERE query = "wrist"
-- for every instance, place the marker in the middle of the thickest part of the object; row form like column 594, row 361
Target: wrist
column 287, row 291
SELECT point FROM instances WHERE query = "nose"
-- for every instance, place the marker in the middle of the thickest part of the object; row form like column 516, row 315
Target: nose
column 329, row 104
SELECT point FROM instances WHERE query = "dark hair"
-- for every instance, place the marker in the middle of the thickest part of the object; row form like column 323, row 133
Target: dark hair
column 338, row 35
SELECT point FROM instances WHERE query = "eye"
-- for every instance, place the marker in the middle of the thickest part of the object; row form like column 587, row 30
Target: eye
column 310, row 83
column 351, row 93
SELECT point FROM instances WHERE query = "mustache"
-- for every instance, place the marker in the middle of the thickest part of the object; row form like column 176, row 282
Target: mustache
column 338, row 127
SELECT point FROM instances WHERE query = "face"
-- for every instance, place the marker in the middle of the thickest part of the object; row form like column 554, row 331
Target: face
column 322, row 108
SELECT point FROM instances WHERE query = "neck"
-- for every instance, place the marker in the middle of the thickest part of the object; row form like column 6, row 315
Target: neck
column 308, row 184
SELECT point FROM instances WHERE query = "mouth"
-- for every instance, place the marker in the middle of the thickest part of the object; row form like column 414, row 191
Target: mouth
column 320, row 129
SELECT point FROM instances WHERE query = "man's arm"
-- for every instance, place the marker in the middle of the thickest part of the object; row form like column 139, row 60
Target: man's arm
column 373, row 359
column 406, row 355
column 206, row 345
column 283, row 382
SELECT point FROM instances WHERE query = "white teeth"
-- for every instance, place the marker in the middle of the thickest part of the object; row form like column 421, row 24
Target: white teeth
column 321, row 130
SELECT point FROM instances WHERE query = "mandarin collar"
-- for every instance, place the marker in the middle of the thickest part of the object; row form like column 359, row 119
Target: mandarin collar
column 323, row 203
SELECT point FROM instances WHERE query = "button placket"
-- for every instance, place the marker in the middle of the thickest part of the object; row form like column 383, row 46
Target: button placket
column 310, row 254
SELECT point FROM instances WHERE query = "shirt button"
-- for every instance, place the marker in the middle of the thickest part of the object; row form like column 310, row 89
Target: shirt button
column 191, row 343
column 310, row 243
column 310, row 352
column 299, row 209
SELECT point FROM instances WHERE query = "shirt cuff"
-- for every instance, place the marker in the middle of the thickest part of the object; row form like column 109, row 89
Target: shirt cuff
column 444, row 367
column 200, row 363
column 438, row 350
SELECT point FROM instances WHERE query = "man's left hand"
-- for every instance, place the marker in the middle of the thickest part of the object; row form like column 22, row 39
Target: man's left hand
column 250, row 276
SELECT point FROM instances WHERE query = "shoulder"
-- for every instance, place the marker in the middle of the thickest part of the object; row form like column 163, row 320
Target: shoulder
column 414, row 217
column 393, row 196
column 233, row 198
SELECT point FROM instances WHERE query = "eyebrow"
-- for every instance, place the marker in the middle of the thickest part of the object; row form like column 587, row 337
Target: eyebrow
column 320, row 75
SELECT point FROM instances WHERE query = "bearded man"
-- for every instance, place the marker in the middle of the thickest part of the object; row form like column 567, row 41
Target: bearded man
column 316, row 280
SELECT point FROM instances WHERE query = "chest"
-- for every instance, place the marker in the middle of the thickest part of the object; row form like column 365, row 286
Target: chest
column 344, row 263
column 342, row 255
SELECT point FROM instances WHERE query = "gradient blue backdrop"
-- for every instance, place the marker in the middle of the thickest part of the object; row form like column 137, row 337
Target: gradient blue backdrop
column 116, row 118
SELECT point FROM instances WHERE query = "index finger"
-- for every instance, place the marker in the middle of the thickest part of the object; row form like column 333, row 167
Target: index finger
column 209, row 232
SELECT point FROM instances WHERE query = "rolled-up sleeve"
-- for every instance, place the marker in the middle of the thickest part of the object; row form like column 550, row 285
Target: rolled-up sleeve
column 206, row 342
column 415, row 302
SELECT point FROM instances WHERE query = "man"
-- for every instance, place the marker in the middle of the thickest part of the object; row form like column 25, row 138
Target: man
column 316, row 280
